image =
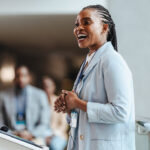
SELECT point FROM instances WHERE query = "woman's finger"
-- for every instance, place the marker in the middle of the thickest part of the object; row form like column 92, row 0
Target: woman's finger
column 65, row 91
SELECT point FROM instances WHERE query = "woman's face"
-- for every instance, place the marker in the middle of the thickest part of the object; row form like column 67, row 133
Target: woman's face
column 89, row 30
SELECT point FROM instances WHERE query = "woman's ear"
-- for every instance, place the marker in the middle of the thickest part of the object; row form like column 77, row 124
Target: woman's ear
column 105, row 28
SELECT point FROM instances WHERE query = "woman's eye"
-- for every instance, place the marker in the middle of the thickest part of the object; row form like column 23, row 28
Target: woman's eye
column 76, row 24
column 86, row 23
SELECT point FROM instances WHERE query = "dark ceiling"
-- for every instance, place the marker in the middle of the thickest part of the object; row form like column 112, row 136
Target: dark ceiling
column 38, row 32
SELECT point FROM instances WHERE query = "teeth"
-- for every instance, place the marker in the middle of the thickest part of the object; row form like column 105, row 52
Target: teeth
column 81, row 36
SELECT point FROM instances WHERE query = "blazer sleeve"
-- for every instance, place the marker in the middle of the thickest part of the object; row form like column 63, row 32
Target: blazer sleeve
column 119, row 91
column 43, row 128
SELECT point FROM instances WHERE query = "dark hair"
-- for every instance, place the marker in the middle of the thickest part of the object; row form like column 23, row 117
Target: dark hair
column 21, row 66
column 106, row 18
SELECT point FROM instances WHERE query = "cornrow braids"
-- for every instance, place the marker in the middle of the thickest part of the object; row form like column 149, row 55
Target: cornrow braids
column 106, row 19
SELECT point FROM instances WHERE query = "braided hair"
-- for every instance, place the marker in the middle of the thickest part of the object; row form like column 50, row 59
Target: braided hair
column 106, row 19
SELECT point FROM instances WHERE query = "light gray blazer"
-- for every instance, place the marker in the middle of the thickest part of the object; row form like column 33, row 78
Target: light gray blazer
column 37, row 111
column 109, row 121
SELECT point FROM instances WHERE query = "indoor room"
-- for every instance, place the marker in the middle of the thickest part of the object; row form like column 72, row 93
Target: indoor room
column 55, row 94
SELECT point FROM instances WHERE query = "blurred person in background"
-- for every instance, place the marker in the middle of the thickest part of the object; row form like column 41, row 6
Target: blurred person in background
column 24, row 109
column 58, row 122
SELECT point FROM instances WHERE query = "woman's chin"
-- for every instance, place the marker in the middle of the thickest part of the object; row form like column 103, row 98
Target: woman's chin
column 82, row 45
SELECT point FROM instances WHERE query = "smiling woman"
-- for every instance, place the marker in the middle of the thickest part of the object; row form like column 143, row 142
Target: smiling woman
column 88, row 30
column 96, row 30
column 101, row 105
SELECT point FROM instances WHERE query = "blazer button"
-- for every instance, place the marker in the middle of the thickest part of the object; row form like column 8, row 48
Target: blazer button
column 81, row 137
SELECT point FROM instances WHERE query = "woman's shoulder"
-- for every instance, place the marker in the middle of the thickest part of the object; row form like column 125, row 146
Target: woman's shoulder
column 113, row 60
column 111, row 56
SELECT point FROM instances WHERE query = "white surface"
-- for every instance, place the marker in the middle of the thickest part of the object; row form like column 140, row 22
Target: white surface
column 142, row 137
column 10, row 143
column 142, row 142
column 45, row 6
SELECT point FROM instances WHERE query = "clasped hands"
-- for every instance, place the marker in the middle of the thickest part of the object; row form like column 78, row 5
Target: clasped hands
column 67, row 101
column 24, row 134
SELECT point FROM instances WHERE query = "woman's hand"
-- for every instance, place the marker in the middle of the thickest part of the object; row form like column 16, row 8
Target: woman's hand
column 71, row 99
column 67, row 101
column 60, row 104
column 24, row 134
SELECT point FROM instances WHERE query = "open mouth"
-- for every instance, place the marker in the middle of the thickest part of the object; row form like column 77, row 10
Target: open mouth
column 82, row 37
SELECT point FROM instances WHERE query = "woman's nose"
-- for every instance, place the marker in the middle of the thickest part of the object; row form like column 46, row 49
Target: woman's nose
column 80, row 27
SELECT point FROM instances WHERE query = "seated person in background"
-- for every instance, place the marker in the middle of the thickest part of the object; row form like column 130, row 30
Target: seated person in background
column 58, row 122
column 25, row 109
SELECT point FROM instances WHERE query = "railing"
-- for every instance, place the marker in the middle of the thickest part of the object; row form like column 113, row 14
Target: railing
column 142, row 135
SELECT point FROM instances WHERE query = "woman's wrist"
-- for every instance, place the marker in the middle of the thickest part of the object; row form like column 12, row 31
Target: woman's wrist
column 81, row 104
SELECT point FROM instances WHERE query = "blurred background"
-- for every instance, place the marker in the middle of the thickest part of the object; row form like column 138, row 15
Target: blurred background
column 39, row 34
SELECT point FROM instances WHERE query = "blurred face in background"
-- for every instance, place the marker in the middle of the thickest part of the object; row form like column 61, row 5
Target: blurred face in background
column 22, row 77
column 48, row 86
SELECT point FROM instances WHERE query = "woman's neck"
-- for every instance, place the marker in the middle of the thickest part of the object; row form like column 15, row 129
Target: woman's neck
column 94, row 48
column 91, row 52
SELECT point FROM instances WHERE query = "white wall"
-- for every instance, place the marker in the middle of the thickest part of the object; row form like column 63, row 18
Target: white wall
column 132, row 20
column 45, row 6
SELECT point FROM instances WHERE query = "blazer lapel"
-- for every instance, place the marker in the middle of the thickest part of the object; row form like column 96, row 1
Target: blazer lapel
column 91, row 65
column 96, row 59
column 77, row 79
column 94, row 62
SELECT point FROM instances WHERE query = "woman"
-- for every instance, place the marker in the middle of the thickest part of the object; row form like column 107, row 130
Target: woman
column 102, row 100
column 58, row 121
